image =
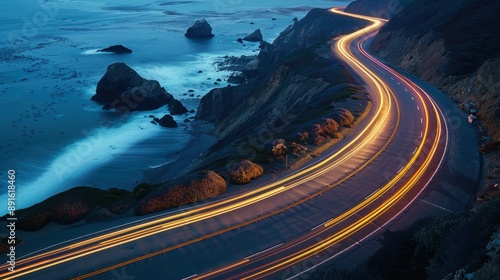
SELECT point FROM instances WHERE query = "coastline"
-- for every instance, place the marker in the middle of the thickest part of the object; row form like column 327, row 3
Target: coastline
column 199, row 142
column 186, row 158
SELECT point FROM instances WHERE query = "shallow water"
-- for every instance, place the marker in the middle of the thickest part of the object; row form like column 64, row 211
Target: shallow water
column 55, row 137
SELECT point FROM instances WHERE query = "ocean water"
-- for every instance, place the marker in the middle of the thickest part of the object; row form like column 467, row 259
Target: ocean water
column 55, row 137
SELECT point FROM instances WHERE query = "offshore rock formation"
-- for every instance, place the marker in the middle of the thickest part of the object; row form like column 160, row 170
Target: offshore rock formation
column 200, row 29
column 116, row 49
column 456, row 48
column 122, row 89
column 167, row 121
column 255, row 36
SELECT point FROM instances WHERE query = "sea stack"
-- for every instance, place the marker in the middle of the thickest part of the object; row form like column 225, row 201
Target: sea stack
column 122, row 89
column 201, row 29
column 255, row 36
column 118, row 49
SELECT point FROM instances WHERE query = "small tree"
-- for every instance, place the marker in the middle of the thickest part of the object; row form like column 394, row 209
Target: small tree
column 281, row 149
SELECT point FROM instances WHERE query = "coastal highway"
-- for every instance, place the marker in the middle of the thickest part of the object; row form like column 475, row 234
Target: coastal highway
column 282, row 227
column 340, row 233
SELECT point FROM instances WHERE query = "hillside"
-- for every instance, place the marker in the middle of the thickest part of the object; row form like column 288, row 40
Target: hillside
column 453, row 45
column 298, row 95
column 378, row 8
column 455, row 48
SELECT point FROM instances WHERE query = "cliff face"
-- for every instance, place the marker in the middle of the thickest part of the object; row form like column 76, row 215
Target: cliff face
column 299, row 82
column 285, row 94
column 452, row 44
column 316, row 27
column 291, row 75
column 378, row 8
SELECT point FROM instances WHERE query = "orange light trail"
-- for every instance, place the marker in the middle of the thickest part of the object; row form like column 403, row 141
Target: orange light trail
column 118, row 237
column 343, row 50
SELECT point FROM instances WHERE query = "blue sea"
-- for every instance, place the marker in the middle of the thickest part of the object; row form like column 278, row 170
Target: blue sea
column 55, row 137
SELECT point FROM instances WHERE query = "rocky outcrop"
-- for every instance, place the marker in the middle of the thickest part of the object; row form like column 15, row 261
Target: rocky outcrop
column 236, row 79
column 118, row 78
column 201, row 29
column 456, row 48
column 481, row 88
column 176, row 108
column 122, row 89
column 167, row 121
column 377, row 8
column 255, row 36
column 216, row 104
column 116, row 49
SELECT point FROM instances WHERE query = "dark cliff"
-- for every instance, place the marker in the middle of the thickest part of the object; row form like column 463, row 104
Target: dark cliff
column 378, row 8
column 316, row 27
column 455, row 48
column 299, row 83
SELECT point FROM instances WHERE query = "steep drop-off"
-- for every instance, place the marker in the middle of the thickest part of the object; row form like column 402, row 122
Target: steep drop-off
column 453, row 45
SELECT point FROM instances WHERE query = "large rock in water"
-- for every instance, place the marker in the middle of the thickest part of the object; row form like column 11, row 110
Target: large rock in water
column 121, row 88
column 116, row 49
column 200, row 29
column 255, row 36
column 176, row 108
column 167, row 121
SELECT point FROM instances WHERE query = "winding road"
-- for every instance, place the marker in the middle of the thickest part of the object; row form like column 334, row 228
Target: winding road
column 289, row 227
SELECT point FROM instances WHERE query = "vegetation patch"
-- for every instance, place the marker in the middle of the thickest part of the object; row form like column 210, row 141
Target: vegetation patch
column 245, row 171
column 195, row 188
column 72, row 206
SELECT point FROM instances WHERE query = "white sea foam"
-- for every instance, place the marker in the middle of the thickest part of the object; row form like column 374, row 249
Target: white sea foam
column 180, row 77
column 93, row 51
column 97, row 147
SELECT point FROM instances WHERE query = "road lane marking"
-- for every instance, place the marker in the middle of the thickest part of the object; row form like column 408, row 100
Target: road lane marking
column 263, row 251
column 421, row 120
column 430, row 203
column 400, row 170
column 418, row 108
column 420, row 134
column 412, row 98
column 322, row 224
column 189, row 277
column 406, row 90
column 414, row 151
